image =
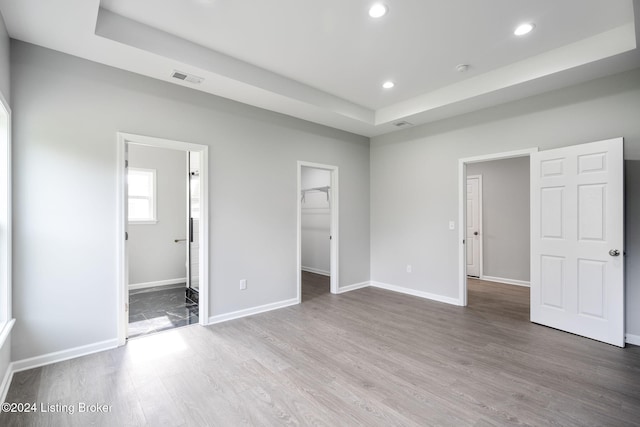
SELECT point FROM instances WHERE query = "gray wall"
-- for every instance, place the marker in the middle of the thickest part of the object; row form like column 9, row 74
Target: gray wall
column 505, row 217
column 66, row 115
column 315, row 222
column 5, row 348
column 415, row 185
column 153, row 254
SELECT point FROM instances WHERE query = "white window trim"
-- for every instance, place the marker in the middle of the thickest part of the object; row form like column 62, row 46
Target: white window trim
column 6, row 316
column 154, row 205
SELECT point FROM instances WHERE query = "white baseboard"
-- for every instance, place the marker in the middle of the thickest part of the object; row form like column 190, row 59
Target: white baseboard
column 316, row 271
column 60, row 356
column 415, row 293
column 632, row 339
column 251, row 311
column 348, row 288
column 506, row 281
column 8, row 373
column 144, row 285
column 6, row 383
column 47, row 359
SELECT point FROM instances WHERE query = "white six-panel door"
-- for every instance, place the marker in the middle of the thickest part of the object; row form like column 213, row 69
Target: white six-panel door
column 474, row 224
column 577, row 236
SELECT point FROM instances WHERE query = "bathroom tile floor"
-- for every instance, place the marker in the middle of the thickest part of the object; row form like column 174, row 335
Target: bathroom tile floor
column 160, row 308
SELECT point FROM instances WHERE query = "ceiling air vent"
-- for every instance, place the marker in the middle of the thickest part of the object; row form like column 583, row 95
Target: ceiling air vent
column 180, row 75
column 402, row 124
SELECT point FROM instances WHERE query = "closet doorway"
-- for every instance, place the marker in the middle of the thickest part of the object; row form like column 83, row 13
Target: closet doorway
column 317, row 254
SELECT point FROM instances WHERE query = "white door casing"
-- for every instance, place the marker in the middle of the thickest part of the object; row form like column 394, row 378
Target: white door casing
column 462, row 210
column 121, row 224
column 334, row 245
column 577, row 218
column 474, row 226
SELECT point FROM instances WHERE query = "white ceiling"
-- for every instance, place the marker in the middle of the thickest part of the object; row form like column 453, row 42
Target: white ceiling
column 326, row 61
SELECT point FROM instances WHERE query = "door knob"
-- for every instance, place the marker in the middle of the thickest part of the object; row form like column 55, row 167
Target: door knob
column 475, row 233
column 614, row 252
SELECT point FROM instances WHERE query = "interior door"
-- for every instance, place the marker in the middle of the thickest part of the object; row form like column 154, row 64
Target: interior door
column 577, row 236
column 472, row 240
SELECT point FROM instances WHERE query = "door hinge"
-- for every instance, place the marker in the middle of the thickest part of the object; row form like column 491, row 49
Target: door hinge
column 126, row 163
column 126, row 236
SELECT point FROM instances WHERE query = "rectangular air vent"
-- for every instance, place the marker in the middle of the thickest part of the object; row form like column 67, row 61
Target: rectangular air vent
column 181, row 75
column 402, row 124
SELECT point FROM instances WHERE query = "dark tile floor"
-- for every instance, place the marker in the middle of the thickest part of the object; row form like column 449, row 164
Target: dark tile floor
column 160, row 308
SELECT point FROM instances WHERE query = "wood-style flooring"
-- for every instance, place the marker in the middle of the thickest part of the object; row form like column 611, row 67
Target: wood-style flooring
column 369, row 357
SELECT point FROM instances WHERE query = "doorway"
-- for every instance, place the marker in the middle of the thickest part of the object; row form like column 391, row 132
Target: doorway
column 162, row 215
column 576, row 237
column 497, row 263
column 317, row 230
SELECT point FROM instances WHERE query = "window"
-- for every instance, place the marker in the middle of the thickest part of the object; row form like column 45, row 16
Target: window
column 142, row 195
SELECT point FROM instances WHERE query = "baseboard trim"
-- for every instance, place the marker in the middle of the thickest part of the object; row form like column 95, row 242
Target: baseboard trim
column 632, row 339
column 349, row 288
column 8, row 374
column 316, row 271
column 416, row 293
column 167, row 282
column 251, row 311
column 506, row 281
column 6, row 383
column 62, row 355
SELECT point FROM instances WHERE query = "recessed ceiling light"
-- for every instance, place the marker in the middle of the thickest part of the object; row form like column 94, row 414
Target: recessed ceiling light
column 388, row 85
column 461, row 68
column 378, row 10
column 523, row 29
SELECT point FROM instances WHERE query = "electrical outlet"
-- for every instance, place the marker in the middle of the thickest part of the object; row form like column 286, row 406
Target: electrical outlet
column 243, row 284
column 409, row 268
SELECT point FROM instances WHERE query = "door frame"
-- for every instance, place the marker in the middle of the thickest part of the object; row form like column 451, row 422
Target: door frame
column 333, row 201
column 121, row 224
column 462, row 210
column 6, row 315
column 480, row 230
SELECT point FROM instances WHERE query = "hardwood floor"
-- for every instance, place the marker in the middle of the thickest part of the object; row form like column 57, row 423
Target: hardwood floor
column 368, row 357
column 498, row 300
column 314, row 285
